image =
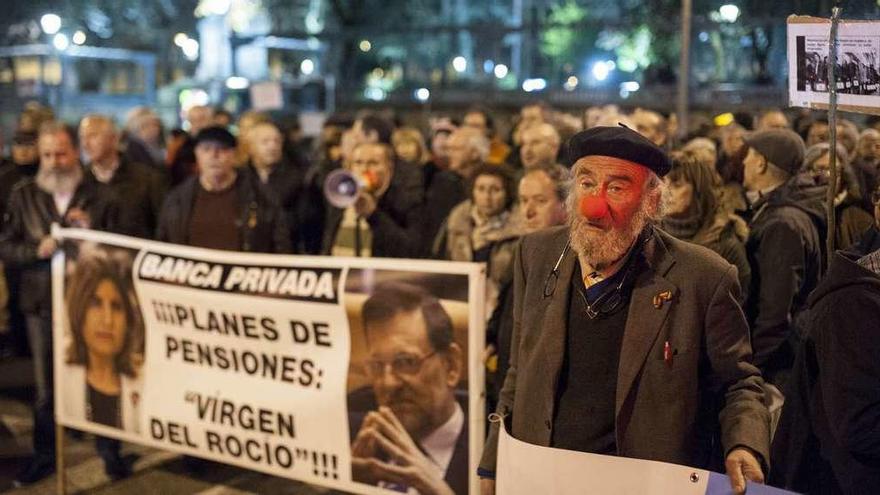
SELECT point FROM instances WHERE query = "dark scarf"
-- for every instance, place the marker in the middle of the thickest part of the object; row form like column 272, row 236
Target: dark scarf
column 683, row 227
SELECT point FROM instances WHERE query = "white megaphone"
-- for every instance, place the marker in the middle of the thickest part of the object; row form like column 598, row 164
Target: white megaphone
column 341, row 188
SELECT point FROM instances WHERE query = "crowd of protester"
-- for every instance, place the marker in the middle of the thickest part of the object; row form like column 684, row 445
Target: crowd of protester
column 467, row 187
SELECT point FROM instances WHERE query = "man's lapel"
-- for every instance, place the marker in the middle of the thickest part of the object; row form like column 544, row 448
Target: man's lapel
column 553, row 326
column 648, row 310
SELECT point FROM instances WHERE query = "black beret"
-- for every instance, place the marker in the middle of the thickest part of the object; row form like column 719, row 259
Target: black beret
column 618, row 142
column 216, row 134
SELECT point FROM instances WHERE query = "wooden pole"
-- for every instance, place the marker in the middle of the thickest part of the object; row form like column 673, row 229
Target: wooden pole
column 60, row 478
column 684, row 70
column 832, row 127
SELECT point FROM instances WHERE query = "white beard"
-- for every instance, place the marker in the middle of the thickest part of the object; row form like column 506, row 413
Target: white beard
column 602, row 249
column 54, row 181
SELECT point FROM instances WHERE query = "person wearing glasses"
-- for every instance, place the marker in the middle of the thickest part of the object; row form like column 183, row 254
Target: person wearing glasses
column 851, row 218
column 627, row 341
column 414, row 437
column 870, row 240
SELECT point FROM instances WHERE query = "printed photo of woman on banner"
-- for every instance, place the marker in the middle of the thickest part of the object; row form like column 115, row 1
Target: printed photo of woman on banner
column 104, row 340
column 407, row 380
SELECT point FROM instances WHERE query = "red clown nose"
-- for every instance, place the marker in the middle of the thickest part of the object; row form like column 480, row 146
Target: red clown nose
column 593, row 207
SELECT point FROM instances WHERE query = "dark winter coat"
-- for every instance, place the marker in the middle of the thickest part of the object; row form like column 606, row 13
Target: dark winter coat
column 30, row 217
column 852, row 221
column 828, row 439
column 313, row 211
column 10, row 175
column 866, row 175
column 726, row 234
column 785, row 252
column 262, row 225
column 869, row 242
column 286, row 183
column 444, row 190
column 140, row 191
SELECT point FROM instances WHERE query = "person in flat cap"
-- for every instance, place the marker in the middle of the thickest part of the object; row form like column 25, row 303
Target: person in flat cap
column 785, row 245
column 627, row 341
column 221, row 208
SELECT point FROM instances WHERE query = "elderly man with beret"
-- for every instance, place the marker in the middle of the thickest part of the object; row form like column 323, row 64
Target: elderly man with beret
column 627, row 341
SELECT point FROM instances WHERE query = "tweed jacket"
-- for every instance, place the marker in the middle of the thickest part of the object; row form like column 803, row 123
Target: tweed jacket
column 691, row 407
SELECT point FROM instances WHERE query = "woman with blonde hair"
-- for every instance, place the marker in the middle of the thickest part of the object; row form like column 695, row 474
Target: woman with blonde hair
column 409, row 145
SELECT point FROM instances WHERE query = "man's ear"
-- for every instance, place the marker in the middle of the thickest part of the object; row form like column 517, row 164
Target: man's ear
column 763, row 166
column 454, row 364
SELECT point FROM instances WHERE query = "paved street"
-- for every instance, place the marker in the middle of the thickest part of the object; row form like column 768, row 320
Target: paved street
column 155, row 471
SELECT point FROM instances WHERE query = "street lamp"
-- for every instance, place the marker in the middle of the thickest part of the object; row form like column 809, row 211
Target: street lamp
column 459, row 63
column 180, row 39
column 501, row 71
column 729, row 12
column 190, row 49
column 307, row 67
column 79, row 38
column 534, row 84
column 602, row 69
column 50, row 23
column 215, row 7
column 237, row 82
column 422, row 94
column 61, row 41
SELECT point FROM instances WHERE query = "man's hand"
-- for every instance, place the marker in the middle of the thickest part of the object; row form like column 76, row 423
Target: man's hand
column 487, row 486
column 47, row 248
column 742, row 465
column 363, row 448
column 365, row 205
column 409, row 466
column 77, row 217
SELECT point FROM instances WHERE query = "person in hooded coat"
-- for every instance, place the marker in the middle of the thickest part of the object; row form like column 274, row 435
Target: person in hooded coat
column 828, row 439
column 786, row 240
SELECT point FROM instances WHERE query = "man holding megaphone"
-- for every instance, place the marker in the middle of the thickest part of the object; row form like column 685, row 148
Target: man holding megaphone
column 374, row 205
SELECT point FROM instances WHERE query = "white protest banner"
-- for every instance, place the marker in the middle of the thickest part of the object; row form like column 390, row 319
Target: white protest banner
column 858, row 64
column 274, row 363
column 526, row 469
